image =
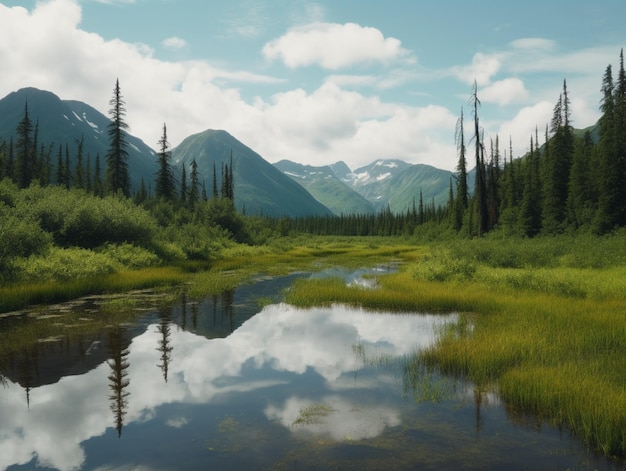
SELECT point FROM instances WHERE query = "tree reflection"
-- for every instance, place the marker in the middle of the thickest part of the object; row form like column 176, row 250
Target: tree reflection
column 165, row 346
column 118, row 379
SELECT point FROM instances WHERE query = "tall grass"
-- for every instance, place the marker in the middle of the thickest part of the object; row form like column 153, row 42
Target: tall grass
column 19, row 295
column 543, row 322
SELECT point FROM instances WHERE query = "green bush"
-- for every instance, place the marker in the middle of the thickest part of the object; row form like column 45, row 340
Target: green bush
column 130, row 256
column 64, row 265
column 78, row 219
column 19, row 238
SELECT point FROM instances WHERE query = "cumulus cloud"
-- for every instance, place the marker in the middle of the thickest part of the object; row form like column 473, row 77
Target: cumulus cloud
column 524, row 125
column 333, row 46
column 504, row 92
column 481, row 70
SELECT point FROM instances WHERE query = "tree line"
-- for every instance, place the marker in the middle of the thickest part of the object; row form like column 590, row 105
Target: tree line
column 568, row 181
column 25, row 161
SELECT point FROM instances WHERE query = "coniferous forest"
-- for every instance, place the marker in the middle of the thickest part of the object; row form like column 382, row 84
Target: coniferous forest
column 570, row 181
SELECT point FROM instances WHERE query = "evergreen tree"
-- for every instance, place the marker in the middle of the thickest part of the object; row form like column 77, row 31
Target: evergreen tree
column 88, row 184
column 481, row 186
column 462, row 193
column 529, row 211
column 67, row 170
column 194, row 184
column 165, row 186
column 10, row 161
column 580, row 197
column 183, row 184
column 607, row 217
column 24, row 160
column 79, row 172
column 117, row 157
column 215, row 192
column 59, row 175
column 98, row 186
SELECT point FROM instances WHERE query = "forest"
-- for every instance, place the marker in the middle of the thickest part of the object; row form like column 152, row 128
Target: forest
column 570, row 182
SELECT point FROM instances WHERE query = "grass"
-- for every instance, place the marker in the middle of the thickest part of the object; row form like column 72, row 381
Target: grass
column 16, row 296
column 540, row 323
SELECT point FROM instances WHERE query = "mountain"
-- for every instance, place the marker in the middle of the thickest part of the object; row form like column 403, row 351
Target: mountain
column 373, row 181
column 260, row 188
column 326, row 187
column 64, row 122
column 405, row 187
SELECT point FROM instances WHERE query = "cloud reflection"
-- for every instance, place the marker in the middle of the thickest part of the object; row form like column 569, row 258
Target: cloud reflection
column 272, row 349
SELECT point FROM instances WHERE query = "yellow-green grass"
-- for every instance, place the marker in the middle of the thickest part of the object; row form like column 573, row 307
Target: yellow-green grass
column 19, row 295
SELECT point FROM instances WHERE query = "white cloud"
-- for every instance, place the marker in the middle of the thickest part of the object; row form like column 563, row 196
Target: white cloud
column 534, row 44
column 333, row 46
column 504, row 92
column 174, row 43
column 524, row 125
column 481, row 70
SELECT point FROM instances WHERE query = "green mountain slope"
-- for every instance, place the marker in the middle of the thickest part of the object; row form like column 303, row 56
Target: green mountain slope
column 324, row 185
column 260, row 188
column 63, row 122
column 404, row 188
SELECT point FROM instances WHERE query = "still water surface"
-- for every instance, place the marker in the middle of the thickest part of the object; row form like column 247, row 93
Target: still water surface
column 223, row 384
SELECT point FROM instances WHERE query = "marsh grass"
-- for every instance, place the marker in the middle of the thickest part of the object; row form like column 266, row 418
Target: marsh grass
column 542, row 322
column 20, row 295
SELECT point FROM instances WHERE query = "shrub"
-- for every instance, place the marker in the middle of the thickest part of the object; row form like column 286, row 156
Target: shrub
column 64, row 265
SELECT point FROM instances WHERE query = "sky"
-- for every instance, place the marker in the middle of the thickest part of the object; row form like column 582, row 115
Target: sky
column 318, row 82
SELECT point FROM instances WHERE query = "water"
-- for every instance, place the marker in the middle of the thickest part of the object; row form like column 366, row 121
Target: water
column 223, row 384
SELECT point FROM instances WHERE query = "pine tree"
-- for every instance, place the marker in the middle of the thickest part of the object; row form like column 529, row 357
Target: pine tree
column 481, row 185
column 215, row 192
column 462, row 194
column 24, row 160
column 580, row 197
column 183, row 184
column 609, row 192
column 98, row 186
column 67, row 170
column 164, row 185
column 557, row 167
column 59, row 175
column 194, row 184
column 79, row 171
column 88, row 184
column 117, row 157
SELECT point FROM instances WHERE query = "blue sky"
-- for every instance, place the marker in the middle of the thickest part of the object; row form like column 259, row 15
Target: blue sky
column 319, row 81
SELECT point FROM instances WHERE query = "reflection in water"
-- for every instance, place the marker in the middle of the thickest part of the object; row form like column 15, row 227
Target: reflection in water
column 118, row 379
column 165, row 347
column 282, row 388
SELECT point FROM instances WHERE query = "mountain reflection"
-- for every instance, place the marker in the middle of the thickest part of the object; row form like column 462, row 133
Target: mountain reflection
column 276, row 351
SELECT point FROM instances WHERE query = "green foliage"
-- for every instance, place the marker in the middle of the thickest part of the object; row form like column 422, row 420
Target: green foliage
column 75, row 218
column 19, row 238
column 65, row 265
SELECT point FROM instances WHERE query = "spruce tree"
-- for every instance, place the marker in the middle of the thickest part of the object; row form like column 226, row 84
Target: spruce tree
column 59, row 175
column 609, row 192
column 164, row 185
column 462, row 194
column 183, row 184
column 117, row 178
column 194, row 184
column 481, row 185
column 24, row 159
column 79, row 171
